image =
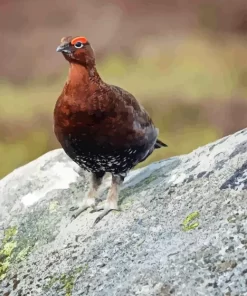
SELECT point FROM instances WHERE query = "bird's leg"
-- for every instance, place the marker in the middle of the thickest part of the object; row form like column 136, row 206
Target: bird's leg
column 112, row 197
column 89, row 201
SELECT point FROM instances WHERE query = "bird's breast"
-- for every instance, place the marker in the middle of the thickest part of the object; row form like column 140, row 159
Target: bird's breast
column 96, row 120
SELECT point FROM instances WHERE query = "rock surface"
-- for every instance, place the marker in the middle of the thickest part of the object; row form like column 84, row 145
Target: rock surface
column 182, row 229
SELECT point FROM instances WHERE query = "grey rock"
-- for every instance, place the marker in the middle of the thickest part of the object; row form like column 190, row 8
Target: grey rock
column 149, row 248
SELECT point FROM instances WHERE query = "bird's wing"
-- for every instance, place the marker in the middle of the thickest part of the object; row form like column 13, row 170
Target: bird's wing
column 136, row 116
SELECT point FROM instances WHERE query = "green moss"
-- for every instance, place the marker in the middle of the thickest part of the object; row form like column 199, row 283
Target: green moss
column 23, row 254
column 188, row 223
column 66, row 281
column 51, row 282
column 6, row 250
column 9, row 233
column 12, row 250
column 53, row 206
column 3, row 269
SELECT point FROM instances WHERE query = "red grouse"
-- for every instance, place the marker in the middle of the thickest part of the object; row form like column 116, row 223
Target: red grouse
column 100, row 126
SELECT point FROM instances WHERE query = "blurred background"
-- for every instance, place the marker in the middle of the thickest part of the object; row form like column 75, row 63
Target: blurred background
column 185, row 60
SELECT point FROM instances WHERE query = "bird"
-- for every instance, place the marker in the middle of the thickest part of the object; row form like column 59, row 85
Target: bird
column 101, row 127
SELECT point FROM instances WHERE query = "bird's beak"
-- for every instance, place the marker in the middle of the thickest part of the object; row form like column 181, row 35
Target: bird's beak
column 59, row 48
column 63, row 48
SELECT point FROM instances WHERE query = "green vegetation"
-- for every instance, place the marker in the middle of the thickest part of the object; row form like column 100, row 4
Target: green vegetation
column 172, row 82
column 6, row 249
column 23, row 254
column 66, row 281
column 188, row 223
column 11, row 251
column 196, row 69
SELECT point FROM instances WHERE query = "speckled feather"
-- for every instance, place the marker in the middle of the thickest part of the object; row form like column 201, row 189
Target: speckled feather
column 101, row 127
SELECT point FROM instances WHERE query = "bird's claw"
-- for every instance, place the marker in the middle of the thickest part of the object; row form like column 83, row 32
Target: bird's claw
column 77, row 213
column 88, row 203
column 104, row 213
column 73, row 208
column 97, row 208
column 100, row 217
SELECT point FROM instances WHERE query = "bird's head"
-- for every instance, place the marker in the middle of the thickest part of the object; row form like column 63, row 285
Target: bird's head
column 77, row 50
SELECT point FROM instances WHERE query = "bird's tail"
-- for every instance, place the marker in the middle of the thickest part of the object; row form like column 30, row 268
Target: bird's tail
column 159, row 144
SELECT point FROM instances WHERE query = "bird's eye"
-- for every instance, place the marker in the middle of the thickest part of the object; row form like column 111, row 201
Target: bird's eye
column 78, row 44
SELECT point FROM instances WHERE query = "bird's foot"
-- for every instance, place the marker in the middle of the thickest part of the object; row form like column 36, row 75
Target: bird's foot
column 89, row 202
column 97, row 208
column 109, row 206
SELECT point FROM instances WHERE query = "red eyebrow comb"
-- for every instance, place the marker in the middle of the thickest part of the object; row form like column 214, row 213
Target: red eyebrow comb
column 80, row 39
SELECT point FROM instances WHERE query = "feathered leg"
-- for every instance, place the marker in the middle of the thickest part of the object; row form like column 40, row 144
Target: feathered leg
column 112, row 197
column 89, row 201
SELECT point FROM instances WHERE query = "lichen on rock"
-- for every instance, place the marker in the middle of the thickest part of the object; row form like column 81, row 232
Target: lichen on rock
column 65, row 281
column 189, row 222
column 6, row 250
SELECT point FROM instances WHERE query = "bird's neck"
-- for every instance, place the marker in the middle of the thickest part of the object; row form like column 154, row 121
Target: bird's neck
column 80, row 76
